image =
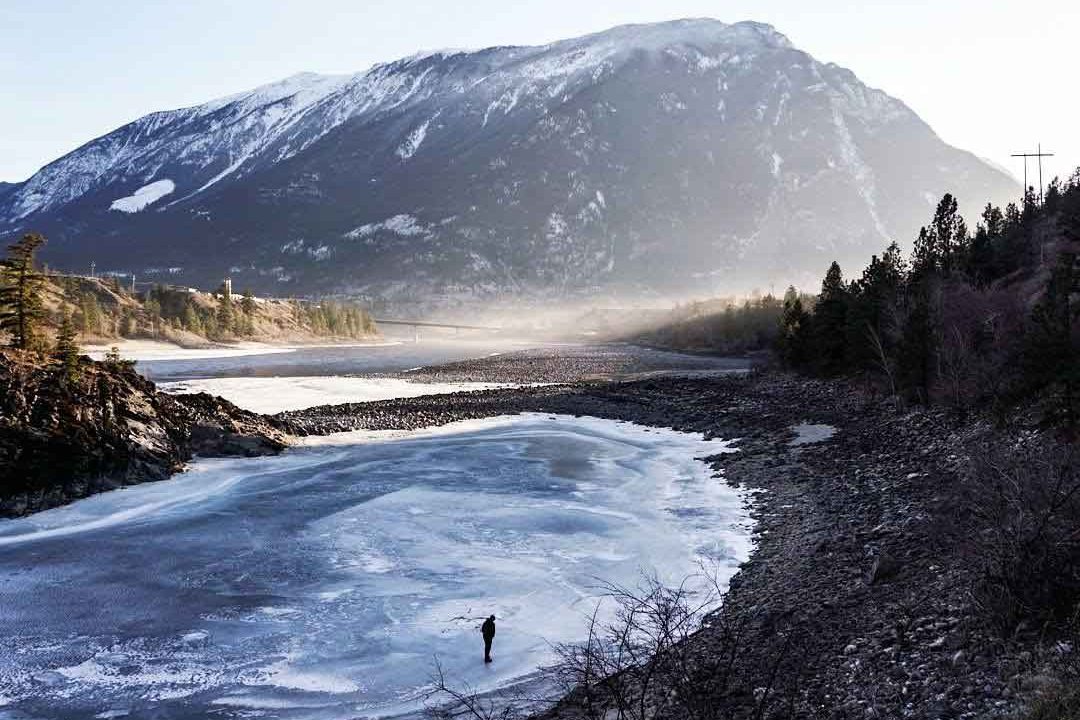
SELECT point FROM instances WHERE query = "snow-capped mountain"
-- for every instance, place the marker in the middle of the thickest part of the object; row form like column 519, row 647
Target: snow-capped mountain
column 688, row 155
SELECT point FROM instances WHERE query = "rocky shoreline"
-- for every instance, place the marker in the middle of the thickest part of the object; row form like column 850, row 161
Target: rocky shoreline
column 855, row 589
column 571, row 363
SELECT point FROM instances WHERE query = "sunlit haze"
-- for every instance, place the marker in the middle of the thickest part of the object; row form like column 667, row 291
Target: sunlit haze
column 986, row 76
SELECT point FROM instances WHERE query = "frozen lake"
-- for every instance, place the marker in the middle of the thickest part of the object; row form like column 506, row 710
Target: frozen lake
column 322, row 583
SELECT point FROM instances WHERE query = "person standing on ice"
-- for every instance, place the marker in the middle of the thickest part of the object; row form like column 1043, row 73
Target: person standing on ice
column 488, row 631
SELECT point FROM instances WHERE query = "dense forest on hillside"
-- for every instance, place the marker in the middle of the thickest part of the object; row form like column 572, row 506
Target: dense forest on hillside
column 35, row 305
column 986, row 318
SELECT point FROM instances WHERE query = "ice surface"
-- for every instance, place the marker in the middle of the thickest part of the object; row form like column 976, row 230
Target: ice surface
column 322, row 583
column 146, row 195
column 142, row 350
column 807, row 433
column 168, row 363
column 278, row 394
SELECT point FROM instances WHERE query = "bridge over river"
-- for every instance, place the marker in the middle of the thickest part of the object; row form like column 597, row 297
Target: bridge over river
column 417, row 324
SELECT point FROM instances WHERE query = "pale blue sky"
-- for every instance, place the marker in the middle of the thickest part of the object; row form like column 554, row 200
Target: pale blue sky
column 991, row 77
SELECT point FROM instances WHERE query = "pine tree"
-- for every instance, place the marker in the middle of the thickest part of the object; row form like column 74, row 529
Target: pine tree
column 225, row 320
column 795, row 331
column 128, row 326
column 247, row 303
column 918, row 343
column 982, row 262
column 1052, row 356
column 924, row 258
column 830, row 320
column 1069, row 220
column 21, row 288
column 190, row 320
column 942, row 246
column 89, row 320
column 67, row 350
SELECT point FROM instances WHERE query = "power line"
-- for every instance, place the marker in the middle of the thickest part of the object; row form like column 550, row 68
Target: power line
column 1039, row 154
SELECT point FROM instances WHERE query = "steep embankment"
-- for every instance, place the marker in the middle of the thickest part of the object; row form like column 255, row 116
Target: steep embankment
column 65, row 439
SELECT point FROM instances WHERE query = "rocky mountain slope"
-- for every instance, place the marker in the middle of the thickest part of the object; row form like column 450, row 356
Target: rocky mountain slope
column 683, row 156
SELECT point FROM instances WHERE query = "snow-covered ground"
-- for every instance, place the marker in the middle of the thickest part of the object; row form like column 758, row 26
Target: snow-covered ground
column 144, row 196
column 278, row 394
column 322, row 583
column 165, row 362
column 153, row 350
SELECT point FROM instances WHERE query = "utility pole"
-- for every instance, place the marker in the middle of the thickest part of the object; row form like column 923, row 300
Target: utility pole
column 1039, row 155
column 93, row 265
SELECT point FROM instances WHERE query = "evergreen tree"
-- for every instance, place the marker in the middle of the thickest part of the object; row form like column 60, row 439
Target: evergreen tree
column 128, row 326
column 982, row 261
column 795, row 331
column 225, row 319
column 190, row 319
column 67, row 349
column 21, row 288
column 89, row 314
column 1069, row 219
column 153, row 311
column 1052, row 356
column 153, row 307
column 918, row 343
column 1052, row 199
column 871, row 309
column 941, row 247
column 830, row 321
column 924, row 258
column 247, row 303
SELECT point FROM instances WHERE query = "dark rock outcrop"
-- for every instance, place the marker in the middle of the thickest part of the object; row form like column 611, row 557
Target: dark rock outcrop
column 61, row 440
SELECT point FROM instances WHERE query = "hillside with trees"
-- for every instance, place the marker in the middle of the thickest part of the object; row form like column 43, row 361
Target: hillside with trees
column 984, row 319
column 40, row 310
column 977, row 331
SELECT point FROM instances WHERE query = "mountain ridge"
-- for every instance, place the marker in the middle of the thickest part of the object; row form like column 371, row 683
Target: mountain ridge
column 491, row 161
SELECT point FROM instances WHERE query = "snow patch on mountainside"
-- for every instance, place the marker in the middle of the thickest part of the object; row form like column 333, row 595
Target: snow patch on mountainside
column 405, row 225
column 146, row 195
column 317, row 253
column 416, row 138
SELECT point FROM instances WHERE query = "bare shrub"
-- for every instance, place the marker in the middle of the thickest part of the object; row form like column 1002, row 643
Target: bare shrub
column 977, row 340
column 446, row 701
column 646, row 662
column 1022, row 511
column 1061, row 701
